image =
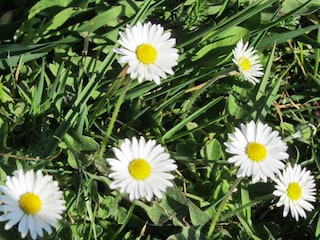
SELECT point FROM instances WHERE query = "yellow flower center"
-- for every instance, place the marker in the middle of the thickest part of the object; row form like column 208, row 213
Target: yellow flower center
column 30, row 203
column 244, row 63
column 139, row 169
column 256, row 151
column 294, row 191
column 146, row 53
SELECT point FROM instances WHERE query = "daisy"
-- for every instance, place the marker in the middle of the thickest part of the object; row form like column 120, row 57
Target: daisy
column 257, row 150
column 33, row 200
column 296, row 189
column 149, row 52
column 141, row 169
column 247, row 62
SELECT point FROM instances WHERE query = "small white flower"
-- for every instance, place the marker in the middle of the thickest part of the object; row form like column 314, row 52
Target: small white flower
column 257, row 150
column 149, row 52
column 141, row 169
column 296, row 189
column 247, row 62
column 33, row 200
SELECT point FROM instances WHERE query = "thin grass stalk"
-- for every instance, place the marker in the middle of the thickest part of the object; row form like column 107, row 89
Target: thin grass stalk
column 317, row 58
column 115, row 236
column 221, row 206
column 114, row 116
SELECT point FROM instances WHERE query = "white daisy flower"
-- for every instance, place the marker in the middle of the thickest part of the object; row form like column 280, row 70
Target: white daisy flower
column 257, row 150
column 247, row 62
column 141, row 169
column 149, row 52
column 296, row 188
column 33, row 200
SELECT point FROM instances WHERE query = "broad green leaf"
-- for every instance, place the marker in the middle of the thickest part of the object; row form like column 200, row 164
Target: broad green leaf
column 221, row 189
column 197, row 216
column 233, row 108
column 212, row 150
column 72, row 161
column 175, row 203
column 5, row 95
column 78, row 160
column 156, row 213
column 81, row 143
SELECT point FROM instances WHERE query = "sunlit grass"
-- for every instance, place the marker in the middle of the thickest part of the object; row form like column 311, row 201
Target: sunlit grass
column 65, row 102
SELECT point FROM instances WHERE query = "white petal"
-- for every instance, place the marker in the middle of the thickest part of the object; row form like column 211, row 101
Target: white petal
column 154, row 35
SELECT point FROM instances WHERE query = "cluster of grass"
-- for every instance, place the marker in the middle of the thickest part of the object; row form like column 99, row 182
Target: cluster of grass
column 60, row 82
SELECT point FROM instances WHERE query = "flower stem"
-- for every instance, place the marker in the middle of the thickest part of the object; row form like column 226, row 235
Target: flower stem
column 219, row 210
column 114, row 116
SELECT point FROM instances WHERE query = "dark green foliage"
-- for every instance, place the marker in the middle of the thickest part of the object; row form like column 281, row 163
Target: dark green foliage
column 59, row 85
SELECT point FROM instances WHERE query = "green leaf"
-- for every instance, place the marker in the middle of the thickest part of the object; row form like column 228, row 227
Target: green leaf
column 5, row 95
column 37, row 92
column 233, row 107
column 186, row 148
column 212, row 150
column 317, row 233
column 12, row 61
column 45, row 4
column 224, row 41
column 3, row 133
column 10, row 54
column 285, row 36
column 81, row 143
column 107, row 18
column 290, row 5
column 156, row 213
column 57, row 20
column 197, row 216
column 72, row 161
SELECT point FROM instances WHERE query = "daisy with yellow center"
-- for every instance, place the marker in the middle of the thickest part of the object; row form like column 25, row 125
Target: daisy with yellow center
column 33, row 201
column 141, row 169
column 247, row 62
column 296, row 188
column 148, row 51
column 257, row 151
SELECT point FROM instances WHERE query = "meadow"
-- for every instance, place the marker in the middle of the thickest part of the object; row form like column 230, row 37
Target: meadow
column 70, row 102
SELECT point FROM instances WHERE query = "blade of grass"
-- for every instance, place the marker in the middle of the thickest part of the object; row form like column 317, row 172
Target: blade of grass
column 72, row 115
column 245, row 198
column 106, row 64
column 234, row 20
column 285, row 36
column 272, row 96
column 169, row 134
column 37, row 93
column 317, row 57
column 266, row 76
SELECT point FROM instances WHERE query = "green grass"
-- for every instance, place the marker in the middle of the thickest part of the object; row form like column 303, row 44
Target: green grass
column 60, row 86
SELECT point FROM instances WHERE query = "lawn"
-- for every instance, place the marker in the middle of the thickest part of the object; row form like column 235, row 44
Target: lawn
column 194, row 119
